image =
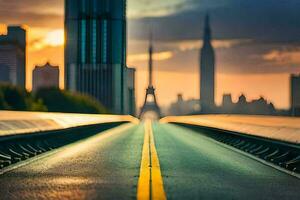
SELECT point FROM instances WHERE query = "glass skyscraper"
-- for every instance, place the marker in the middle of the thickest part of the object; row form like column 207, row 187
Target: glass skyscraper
column 95, row 51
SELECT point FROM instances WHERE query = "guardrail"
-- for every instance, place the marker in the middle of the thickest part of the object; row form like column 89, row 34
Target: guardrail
column 272, row 139
column 27, row 134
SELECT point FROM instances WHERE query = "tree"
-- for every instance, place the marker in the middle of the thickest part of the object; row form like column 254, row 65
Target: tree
column 63, row 101
column 2, row 102
column 15, row 98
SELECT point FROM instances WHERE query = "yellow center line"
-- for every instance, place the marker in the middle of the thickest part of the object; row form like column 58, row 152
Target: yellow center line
column 150, row 184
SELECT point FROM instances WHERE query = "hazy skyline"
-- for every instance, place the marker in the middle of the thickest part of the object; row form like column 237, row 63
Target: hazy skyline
column 257, row 43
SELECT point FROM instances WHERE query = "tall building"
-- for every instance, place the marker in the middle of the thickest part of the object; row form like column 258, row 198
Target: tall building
column 13, row 56
column 295, row 95
column 130, row 98
column 95, row 51
column 207, row 71
column 45, row 77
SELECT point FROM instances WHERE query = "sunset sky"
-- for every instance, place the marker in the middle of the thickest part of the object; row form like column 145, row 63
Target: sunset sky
column 257, row 43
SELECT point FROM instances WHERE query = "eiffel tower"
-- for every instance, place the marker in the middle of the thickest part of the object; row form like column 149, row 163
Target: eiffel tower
column 150, row 106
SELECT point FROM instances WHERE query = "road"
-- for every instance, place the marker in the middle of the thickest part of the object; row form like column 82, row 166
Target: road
column 196, row 167
column 110, row 166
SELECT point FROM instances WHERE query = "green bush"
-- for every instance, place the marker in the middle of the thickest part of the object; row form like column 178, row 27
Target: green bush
column 63, row 101
column 2, row 102
column 15, row 98
column 48, row 99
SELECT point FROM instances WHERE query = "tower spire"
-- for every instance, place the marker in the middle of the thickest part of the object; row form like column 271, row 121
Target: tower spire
column 150, row 59
column 207, row 30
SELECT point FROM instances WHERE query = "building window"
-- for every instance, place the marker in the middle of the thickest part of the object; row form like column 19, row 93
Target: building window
column 94, row 41
column 104, row 41
column 83, row 41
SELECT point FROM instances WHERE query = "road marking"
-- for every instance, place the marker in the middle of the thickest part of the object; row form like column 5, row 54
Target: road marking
column 150, row 183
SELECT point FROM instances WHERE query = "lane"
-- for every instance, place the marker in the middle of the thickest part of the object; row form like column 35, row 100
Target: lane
column 196, row 167
column 105, row 166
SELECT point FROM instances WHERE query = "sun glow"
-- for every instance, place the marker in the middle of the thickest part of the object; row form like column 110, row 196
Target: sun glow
column 3, row 29
column 55, row 38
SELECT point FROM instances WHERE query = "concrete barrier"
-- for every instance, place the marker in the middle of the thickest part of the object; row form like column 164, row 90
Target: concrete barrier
column 286, row 129
column 18, row 123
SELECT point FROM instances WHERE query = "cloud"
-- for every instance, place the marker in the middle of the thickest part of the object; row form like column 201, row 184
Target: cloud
column 45, row 6
column 157, row 8
column 267, row 20
column 166, row 53
column 46, row 13
column 283, row 57
column 245, row 33
column 53, row 38
column 188, row 45
column 160, row 56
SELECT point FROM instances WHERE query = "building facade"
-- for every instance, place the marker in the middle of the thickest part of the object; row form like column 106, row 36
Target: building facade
column 13, row 56
column 207, row 71
column 46, row 76
column 95, row 51
column 184, row 107
column 130, row 98
column 260, row 106
column 295, row 95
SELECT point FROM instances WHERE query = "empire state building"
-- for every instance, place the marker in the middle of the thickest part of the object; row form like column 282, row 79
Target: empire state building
column 207, row 71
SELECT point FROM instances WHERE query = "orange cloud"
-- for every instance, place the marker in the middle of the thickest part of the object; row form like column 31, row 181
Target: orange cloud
column 283, row 57
column 156, row 56
column 52, row 38
column 197, row 44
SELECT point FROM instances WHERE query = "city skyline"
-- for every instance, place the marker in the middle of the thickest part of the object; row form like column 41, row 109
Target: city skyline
column 276, row 57
column 150, row 99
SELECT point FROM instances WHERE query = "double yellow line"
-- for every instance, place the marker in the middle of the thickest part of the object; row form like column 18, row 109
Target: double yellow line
column 150, row 184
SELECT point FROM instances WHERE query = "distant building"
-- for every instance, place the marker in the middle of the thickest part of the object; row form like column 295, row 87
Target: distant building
column 227, row 105
column 95, row 50
column 130, row 98
column 13, row 56
column 207, row 71
column 45, row 77
column 295, row 95
column 184, row 107
column 242, row 106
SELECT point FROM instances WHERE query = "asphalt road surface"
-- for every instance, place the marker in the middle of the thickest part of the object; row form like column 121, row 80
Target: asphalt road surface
column 196, row 167
column 107, row 166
